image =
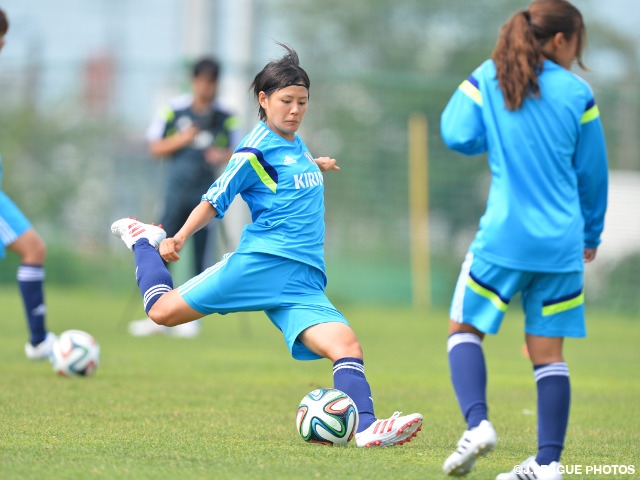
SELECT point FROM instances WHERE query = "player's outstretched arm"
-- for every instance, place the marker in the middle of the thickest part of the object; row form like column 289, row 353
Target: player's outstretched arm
column 199, row 217
column 326, row 163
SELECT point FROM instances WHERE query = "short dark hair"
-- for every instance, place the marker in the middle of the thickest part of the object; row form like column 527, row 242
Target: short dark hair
column 279, row 74
column 4, row 23
column 207, row 66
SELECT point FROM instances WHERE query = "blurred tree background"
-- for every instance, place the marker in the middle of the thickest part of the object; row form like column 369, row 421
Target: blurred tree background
column 77, row 162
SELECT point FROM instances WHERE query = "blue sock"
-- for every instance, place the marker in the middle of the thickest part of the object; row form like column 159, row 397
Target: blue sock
column 30, row 280
column 348, row 376
column 152, row 275
column 469, row 376
column 554, row 399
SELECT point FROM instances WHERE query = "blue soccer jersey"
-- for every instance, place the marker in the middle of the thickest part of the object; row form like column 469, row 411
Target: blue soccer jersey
column 548, row 163
column 284, row 189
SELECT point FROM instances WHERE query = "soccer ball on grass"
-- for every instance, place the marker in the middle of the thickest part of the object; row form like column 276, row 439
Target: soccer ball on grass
column 75, row 353
column 327, row 416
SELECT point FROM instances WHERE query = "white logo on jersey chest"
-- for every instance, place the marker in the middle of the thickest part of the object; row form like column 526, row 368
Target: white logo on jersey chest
column 308, row 180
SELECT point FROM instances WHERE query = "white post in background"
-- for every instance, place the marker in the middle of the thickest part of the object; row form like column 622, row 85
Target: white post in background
column 233, row 34
column 199, row 38
column 233, row 39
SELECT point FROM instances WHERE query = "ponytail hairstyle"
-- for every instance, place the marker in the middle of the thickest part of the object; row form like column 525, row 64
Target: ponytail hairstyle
column 279, row 74
column 518, row 53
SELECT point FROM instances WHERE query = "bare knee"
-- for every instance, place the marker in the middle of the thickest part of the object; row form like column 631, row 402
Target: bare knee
column 171, row 310
column 30, row 247
column 332, row 340
column 544, row 350
column 38, row 254
column 161, row 316
column 351, row 349
column 456, row 327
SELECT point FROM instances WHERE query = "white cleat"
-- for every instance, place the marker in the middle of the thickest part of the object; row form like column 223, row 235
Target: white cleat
column 147, row 327
column 185, row 330
column 391, row 431
column 42, row 351
column 131, row 230
column 530, row 470
column 473, row 444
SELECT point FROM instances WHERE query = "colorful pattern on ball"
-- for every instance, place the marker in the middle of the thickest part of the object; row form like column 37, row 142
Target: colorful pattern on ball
column 75, row 353
column 327, row 416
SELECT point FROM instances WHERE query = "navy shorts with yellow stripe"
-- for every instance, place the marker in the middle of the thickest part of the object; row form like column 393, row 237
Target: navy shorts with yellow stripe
column 553, row 303
column 291, row 293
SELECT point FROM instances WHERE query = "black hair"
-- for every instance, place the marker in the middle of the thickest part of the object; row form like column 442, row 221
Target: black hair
column 4, row 23
column 279, row 74
column 207, row 66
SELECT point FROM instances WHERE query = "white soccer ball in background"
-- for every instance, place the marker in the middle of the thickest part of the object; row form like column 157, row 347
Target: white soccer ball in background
column 327, row 416
column 75, row 353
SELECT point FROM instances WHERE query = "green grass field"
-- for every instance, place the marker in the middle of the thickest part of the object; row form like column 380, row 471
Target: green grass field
column 223, row 405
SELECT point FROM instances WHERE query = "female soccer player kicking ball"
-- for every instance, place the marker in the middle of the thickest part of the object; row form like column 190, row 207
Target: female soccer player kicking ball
column 278, row 266
column 545, row 213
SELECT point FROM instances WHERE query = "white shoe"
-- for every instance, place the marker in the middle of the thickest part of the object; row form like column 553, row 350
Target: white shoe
column 391, row 431
column 145, row 327
column 530, row 470
column 131, row 230
column 473, row 444
column 42, row 351
column 185, row 330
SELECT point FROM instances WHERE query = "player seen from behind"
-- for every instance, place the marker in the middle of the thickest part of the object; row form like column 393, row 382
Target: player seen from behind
column 541, row 128
column 278, row 266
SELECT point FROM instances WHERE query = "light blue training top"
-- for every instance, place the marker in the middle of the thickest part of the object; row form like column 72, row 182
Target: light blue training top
column 548, row 163
column 284, row 189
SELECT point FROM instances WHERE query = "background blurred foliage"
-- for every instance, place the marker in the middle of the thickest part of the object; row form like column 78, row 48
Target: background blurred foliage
column 372, row 63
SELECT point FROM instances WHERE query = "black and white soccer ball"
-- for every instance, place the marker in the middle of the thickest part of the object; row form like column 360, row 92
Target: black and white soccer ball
column 75, row 353
column 327, row 416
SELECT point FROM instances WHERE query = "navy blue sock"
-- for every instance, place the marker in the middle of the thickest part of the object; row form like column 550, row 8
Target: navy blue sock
column 554, row 399
column 30, row 280
column 348, row 376
column 152, row 275
column 469, row 376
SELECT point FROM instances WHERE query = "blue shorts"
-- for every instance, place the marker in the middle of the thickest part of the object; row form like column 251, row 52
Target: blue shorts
column 291, row 293
column 13, row 223
column 553, row 303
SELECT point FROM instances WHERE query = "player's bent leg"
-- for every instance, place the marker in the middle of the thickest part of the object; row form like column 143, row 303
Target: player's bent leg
column 544, row 350
column 554, row 396
column 337, row 342
column 171, row 309
column 469, row 379
column 30, row 247
column 457, row 327
column 332, row 340
column 32, row 251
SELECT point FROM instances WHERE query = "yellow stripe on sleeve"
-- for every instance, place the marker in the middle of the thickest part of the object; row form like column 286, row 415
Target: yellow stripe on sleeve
column 471, row 91
column 590, row 114
column 257, row 166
